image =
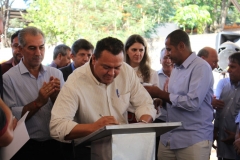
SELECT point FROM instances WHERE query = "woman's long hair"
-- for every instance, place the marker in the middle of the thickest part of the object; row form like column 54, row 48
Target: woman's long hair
column 144, row 66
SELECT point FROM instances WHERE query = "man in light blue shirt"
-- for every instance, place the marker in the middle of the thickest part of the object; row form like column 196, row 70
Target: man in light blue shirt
column 32, row 87
column 163, row 76
column 189, row 97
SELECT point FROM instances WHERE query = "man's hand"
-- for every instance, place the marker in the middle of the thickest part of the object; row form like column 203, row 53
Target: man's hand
column 44, row 94
column 157, row 103
column 217, row 104
column 230, row 139
column 104, row 121
column 166, row 85
column 48, row 90
column 236, row 145
column 154, row 91
column 55, row 88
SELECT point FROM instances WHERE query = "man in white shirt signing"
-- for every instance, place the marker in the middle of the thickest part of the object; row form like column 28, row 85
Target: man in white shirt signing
column 104, row 86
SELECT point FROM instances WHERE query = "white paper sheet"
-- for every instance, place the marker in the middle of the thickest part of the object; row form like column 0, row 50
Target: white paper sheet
column 20, row 138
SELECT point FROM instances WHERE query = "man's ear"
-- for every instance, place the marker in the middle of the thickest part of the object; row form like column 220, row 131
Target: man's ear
column 181, row 46
column 72, row 56
column 203, row 57
column 59, row 56
column 93, row 59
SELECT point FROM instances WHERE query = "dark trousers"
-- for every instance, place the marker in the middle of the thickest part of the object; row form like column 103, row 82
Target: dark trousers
column 82, row 153
column 224, row 159
column 237, row 157
column 157, row 138
column 50, row 149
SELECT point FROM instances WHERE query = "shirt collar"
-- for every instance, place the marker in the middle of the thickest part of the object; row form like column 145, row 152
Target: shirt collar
column 188, row 61
column 238, row 84
column 89, row 71
column 53, row 64
column 160, row 72
column 72, row 66
column 23, row 69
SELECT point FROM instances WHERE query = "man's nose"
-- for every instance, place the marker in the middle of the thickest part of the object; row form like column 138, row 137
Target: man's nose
column 111, row 72
column 86, row 58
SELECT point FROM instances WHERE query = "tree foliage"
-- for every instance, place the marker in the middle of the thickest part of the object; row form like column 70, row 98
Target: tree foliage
column 192, row 16
column 219, row 10
column 67, row 21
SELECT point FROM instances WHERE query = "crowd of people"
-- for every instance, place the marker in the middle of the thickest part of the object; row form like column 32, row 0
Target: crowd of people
column 87, row 87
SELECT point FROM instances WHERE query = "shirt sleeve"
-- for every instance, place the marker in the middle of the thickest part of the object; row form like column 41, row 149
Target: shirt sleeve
column 219, row 88
column 10, row 96
column 143, row 105
column 218, row 93
column 60, row 127
column 194, row 92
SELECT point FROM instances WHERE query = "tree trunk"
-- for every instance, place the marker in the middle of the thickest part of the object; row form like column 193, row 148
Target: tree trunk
column 215, row 23
column 5, row 10
column 225, row 6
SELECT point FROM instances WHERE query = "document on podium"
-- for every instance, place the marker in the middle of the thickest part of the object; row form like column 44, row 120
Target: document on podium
column 20, row 138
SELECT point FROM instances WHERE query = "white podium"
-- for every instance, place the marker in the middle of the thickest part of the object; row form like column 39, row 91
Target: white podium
column 126, row 142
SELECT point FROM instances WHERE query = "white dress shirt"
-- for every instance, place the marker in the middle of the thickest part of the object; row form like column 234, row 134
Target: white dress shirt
column 83, row 98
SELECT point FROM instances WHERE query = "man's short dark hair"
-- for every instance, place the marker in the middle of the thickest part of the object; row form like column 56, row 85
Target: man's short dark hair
column 60, row 49
column 14, row 35
column 81, row 44
column 178, row 36
column 113, row 45
column 203, row 53
column 235, row 58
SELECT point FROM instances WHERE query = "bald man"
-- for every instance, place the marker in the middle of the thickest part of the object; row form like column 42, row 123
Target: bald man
column 209, row 55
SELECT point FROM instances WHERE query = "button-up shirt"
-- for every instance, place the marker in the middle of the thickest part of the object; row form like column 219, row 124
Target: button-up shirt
column 83, row 98
column 225, row 118
column 191, row 91
column 162, row 79
column 21, row 88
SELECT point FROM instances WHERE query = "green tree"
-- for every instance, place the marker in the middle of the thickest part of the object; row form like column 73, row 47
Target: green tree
column 67, row 21
column 218, row 9
column 192, row 16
